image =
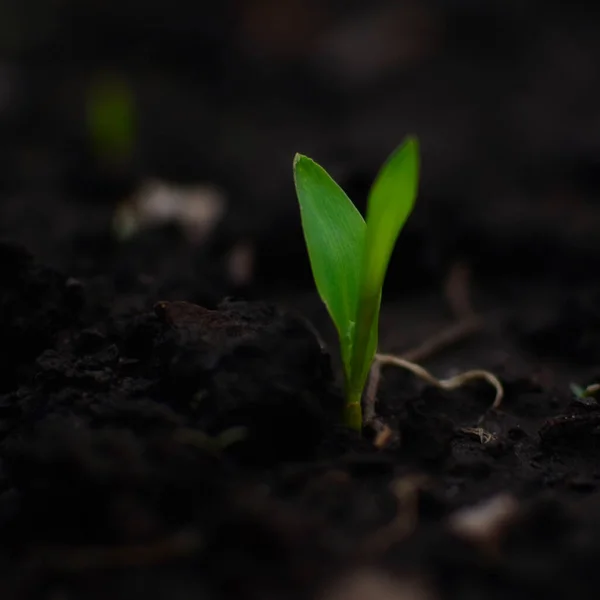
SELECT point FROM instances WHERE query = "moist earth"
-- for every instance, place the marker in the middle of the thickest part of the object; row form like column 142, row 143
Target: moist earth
column 185, row 446
column 169, row 430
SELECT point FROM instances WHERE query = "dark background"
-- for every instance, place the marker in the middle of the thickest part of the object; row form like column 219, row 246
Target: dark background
column 504, row 97
column 100, row 100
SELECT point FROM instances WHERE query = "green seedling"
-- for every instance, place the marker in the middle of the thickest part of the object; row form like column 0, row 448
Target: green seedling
column 349, row 255
column 111, row 118
column 582, row 393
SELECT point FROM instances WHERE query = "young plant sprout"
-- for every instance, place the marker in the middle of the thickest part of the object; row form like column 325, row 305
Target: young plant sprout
column 588, row 392
column 349, row 258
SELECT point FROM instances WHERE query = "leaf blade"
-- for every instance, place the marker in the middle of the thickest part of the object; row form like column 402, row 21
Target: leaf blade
column 334, row 231
column 390, row 202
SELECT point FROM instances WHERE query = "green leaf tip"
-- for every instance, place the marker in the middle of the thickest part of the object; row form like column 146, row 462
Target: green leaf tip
column 349, row 256
column 297, row 158
column 389, row 204
column 334, row 233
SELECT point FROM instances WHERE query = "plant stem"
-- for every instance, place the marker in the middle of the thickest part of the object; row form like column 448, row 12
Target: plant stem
column 353, row 411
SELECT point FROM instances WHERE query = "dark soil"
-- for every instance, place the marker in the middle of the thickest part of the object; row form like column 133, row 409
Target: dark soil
column 158, row 448
column 168, row 432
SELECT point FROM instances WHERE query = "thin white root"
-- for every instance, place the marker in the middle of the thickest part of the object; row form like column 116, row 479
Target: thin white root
column 457, row 292
column 444, row 384
column 406, row 492
column 485, row 437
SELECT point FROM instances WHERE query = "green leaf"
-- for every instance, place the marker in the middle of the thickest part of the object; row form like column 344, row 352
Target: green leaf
column 390, row 202
column 334, row 231
column 111, row 112
column 577, row 390
column 349, row 258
